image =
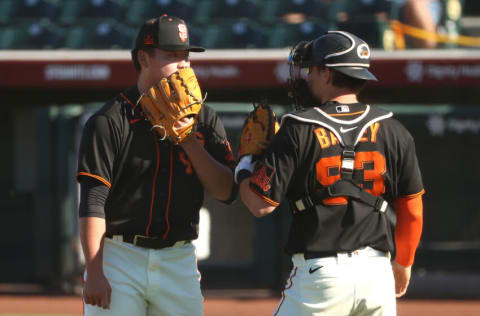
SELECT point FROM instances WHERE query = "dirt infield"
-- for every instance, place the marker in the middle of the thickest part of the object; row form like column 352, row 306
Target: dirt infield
column 214, row 306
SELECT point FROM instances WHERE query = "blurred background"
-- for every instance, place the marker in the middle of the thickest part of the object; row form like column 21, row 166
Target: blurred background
column 62, row 60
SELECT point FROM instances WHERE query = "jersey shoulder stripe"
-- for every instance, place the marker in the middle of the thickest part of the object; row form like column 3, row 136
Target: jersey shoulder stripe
column 101, row 179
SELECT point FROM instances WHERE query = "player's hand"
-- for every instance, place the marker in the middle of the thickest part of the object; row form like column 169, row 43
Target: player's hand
column 402, row 278
column 182, row 123
column 97, row 290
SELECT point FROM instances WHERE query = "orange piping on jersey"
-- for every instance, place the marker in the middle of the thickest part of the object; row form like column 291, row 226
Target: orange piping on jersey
column 283, row 292
column 266, row 199
column 152, row 202
column 340, row 200
column 408, row 229
column 169, row 193
column 130, row 102
column 346, row 114
column 411, row 196
column 95, row 177
column 126, row 99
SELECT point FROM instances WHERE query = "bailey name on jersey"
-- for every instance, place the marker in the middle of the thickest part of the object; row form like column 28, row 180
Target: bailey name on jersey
column 326, row 138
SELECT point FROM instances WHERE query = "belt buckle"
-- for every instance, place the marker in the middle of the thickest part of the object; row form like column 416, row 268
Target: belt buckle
column 135, row 239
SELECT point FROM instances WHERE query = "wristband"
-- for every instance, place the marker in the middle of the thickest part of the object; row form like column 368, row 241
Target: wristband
column 244, row 168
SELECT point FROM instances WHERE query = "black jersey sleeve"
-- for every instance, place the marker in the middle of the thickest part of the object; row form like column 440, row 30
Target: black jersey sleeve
column 274, row 170
column 93, row 195
column 211, row 132
column 98, row 147
column 410, row 177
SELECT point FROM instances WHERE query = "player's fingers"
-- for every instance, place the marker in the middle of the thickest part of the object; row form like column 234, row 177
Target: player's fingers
column 401, row 291
column 103, row 303
column 398, row 282
column 87, row 298
column 401, row 287
column 98, row 300
column 397, row 290
column 108, row 298
column 92, row 300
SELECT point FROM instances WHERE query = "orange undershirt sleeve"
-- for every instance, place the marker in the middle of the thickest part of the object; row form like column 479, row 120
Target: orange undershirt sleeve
column 408, row 230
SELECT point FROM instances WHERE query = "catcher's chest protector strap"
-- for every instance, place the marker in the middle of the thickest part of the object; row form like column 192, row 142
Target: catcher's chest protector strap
column 348, row 134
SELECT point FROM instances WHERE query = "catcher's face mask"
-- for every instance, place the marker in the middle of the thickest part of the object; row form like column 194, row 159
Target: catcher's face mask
column 300, row 61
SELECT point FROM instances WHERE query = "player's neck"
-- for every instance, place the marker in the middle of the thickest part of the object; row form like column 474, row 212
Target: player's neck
column 345, row 98
column 340, row 95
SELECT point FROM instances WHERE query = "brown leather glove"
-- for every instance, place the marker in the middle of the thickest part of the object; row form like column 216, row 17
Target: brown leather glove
column 174, row 99
column 258, row 131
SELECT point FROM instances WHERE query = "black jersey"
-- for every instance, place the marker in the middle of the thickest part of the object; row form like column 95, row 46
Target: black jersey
column 304, row 157
column 154, row 190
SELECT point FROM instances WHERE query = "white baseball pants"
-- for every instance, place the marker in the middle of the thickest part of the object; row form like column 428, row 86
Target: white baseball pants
column 357, row 284
column 149, row 282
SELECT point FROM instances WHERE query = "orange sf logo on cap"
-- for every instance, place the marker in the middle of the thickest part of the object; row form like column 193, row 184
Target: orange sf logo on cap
column 182, row 32
column 148, row 40
column 363, row 51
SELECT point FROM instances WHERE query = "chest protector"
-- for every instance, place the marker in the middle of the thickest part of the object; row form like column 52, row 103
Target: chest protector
column 348, row 134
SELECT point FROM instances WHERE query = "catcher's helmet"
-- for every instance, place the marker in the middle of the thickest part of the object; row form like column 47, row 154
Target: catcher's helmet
column 344, row 52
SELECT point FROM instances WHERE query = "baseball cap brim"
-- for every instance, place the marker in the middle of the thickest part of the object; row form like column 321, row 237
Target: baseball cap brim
column 196, row 49
column 190, row 48
column 357, row 72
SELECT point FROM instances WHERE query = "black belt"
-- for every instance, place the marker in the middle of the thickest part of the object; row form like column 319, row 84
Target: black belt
column 368, row 251
column 319, row 254
column 145, row 242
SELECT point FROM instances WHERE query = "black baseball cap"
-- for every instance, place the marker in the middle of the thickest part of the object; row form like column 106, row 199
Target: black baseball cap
column 165, row 32
column 344, row 52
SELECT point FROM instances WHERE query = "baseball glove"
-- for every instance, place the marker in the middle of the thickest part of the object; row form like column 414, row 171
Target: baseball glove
column 172, row 105
column 258, row 131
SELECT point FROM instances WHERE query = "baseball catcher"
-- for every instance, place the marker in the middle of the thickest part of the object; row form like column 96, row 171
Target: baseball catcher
column 346, row 169
column 172, row 105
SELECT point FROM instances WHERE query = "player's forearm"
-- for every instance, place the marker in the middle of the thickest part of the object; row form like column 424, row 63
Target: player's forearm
column 216, row 178
column 408, row 229
column 254, row 203
column 92, row 233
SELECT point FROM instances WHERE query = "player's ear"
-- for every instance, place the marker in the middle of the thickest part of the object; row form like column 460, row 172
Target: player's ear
column 328, row 74
column 142, row 58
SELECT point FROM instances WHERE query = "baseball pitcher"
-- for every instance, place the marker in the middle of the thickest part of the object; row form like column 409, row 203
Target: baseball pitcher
column 144, row 162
